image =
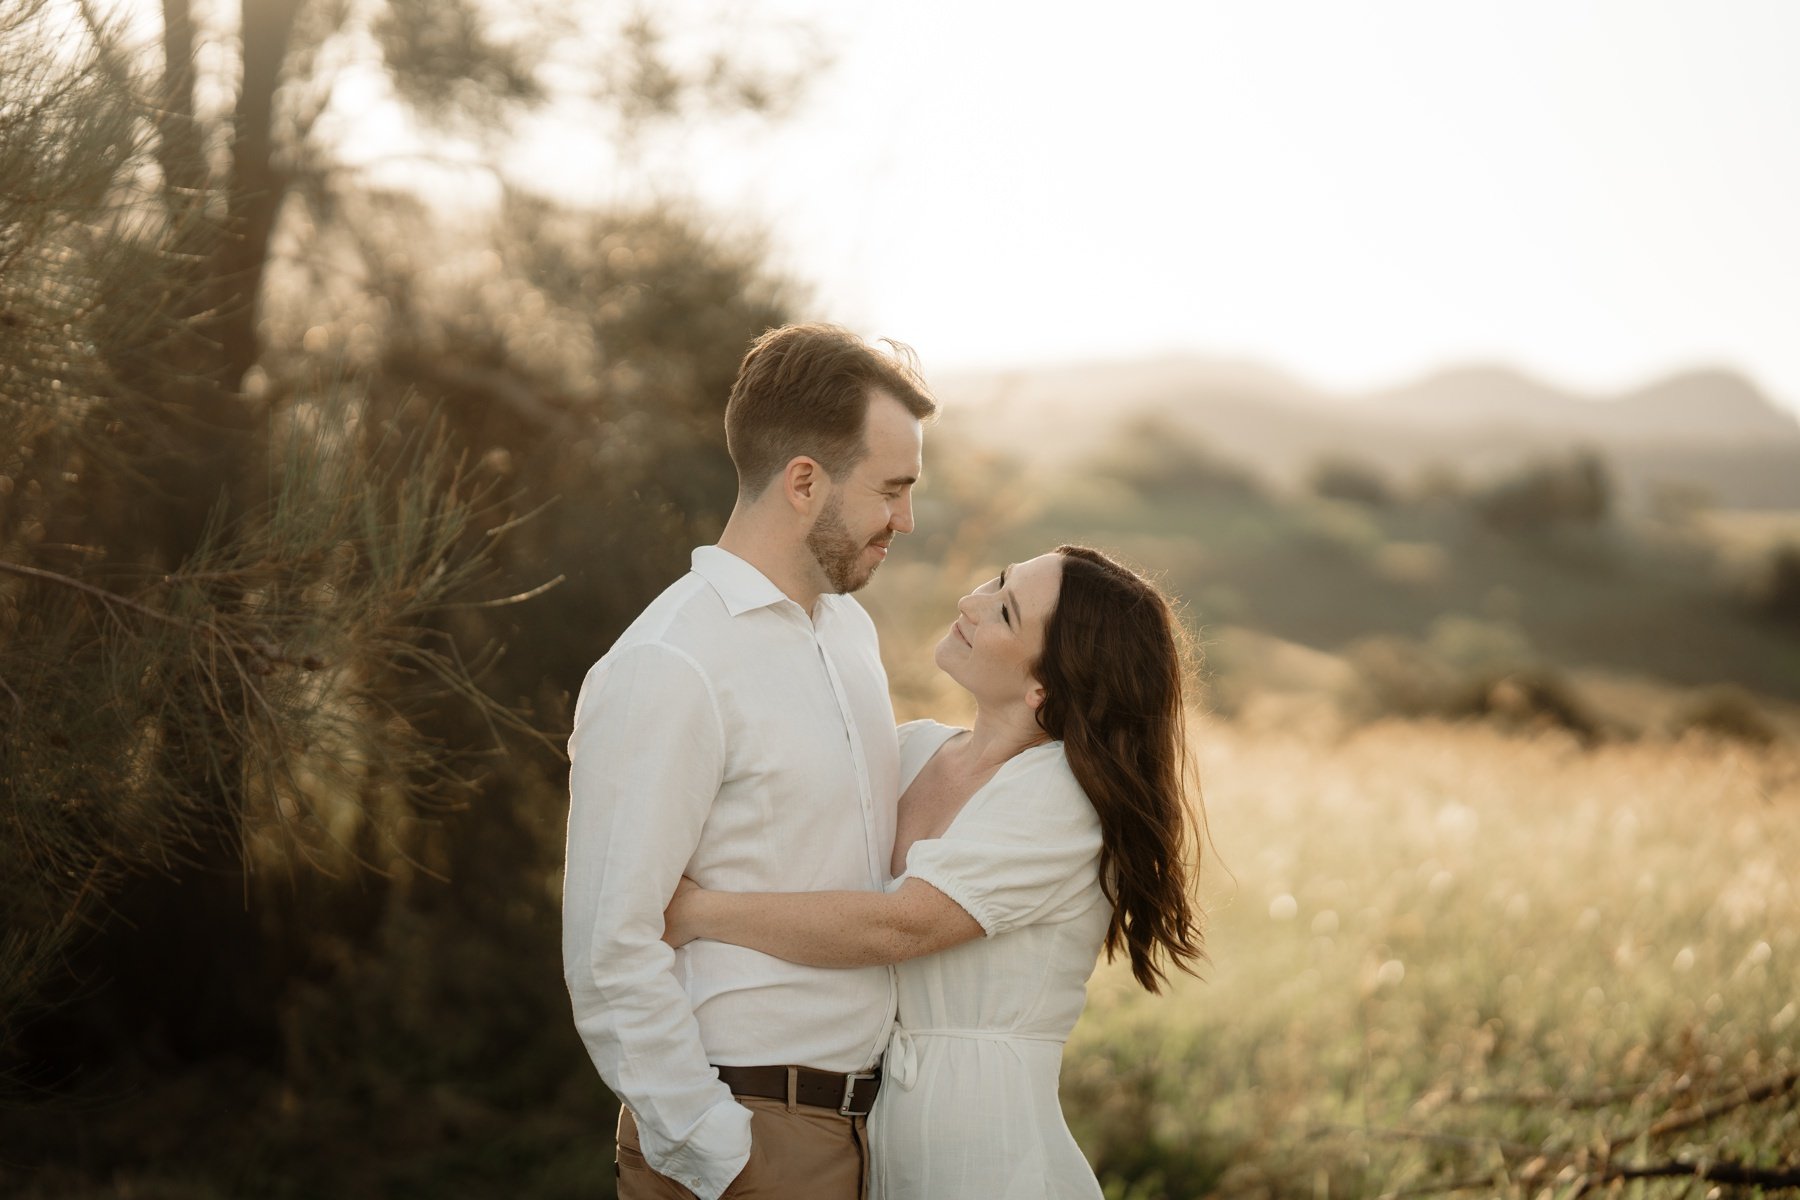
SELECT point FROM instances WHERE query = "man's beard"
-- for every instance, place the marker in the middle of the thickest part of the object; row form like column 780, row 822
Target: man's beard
column 836, row 552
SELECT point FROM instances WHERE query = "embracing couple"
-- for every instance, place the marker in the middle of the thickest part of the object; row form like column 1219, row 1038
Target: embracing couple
column 812, row 955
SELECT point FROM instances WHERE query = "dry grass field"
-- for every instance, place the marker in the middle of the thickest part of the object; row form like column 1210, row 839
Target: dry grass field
column 1449, row 959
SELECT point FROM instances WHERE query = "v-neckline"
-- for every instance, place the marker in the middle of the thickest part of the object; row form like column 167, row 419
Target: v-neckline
column 966, row 804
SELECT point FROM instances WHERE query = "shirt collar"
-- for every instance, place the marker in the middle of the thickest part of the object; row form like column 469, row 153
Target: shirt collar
column 741, row 586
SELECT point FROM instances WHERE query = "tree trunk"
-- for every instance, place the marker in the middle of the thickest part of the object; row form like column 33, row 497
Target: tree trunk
column 256, row 189
column 218, row 431
column 179, row 149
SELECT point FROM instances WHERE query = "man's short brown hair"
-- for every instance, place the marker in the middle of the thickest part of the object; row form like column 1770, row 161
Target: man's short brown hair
column 805, row 389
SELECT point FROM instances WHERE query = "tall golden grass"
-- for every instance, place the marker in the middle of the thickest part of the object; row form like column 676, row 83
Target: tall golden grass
column 1450, row 958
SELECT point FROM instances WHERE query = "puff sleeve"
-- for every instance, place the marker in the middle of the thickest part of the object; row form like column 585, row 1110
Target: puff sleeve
column 1023, row 852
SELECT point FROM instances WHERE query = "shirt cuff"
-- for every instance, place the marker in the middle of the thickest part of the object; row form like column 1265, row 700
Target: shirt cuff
column 711, row 1156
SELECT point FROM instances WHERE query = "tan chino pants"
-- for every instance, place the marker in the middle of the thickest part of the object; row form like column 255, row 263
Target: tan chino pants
column 796, row 1153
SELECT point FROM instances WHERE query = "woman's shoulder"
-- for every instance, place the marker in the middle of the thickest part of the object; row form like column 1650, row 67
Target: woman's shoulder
column 919, row 740
column 926, row 730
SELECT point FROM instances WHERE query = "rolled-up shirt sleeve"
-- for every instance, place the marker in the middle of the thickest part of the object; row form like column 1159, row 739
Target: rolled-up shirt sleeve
column 646, row 760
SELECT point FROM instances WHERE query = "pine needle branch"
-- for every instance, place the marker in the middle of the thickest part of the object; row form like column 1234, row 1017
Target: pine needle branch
column 1710, row 1172
column 1700, row 1114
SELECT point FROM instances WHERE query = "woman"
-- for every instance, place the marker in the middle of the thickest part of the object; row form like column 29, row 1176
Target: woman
column 1055, row 826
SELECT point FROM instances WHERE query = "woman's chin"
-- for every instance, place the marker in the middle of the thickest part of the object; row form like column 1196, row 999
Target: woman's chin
column 941, row 655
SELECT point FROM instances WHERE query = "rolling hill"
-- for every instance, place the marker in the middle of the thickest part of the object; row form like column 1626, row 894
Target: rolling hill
column 1706, row 429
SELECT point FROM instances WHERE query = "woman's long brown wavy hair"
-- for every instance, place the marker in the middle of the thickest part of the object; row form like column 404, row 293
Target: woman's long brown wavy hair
column 1113, row 673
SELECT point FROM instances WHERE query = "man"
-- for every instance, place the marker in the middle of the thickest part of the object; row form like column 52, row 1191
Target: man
column 740, row 732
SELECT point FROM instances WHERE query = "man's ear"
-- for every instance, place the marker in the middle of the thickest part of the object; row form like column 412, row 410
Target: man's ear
column 803, row 481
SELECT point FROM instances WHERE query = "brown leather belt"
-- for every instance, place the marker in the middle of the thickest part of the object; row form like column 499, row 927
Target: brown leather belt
column 849, row 1095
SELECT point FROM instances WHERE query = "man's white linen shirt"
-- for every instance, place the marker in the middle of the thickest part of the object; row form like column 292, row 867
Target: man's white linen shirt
column 731, row 737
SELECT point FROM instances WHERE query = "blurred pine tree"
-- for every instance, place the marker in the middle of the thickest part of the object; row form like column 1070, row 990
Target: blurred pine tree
column 237, row 574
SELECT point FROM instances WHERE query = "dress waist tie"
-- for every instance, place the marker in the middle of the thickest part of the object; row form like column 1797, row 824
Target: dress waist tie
column 901, row 1063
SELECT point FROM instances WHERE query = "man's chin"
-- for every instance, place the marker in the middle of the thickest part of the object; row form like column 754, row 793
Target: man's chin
column 858, row 576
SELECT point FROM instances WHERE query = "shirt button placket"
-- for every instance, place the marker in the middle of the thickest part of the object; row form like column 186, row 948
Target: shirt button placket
column 864, row 785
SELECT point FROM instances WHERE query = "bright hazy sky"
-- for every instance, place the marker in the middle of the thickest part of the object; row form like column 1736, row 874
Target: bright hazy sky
column 1597, row 192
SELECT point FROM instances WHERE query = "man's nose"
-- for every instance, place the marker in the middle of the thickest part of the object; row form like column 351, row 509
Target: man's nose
column 901, row 519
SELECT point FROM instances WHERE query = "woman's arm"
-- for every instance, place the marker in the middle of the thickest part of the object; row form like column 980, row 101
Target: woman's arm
column 823, row 929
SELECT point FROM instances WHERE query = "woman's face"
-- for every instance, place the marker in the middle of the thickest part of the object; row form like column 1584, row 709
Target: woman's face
column 999, row 632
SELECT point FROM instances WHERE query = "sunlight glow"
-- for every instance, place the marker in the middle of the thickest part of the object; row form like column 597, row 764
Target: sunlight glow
column 1601, row 192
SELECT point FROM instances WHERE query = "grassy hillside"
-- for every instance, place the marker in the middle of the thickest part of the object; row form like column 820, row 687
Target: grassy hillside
column 1470, row 581
column 1707, row 430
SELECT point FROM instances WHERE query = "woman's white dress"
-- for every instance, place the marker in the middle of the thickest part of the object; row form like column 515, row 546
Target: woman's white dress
column 968, row 1107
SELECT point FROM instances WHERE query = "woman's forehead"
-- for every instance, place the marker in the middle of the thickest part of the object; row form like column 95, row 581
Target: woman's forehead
column 1036, row 582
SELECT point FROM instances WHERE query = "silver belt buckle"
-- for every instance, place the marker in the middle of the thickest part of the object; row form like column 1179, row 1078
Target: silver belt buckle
column 850, row 1082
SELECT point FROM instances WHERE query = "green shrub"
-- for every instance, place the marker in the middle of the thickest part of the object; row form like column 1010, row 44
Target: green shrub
column 1538, row 698
column 1163, row 461
column 1775, row 595
column 1359, row 482
column 1467, row 669
column 1398, row 677
column 1548, row 494
column 1726, row 710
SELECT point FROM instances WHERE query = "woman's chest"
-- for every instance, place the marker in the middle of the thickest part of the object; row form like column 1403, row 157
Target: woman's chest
column 926, row 810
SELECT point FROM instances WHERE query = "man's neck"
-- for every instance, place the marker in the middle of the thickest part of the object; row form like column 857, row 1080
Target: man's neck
column 778, row 555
